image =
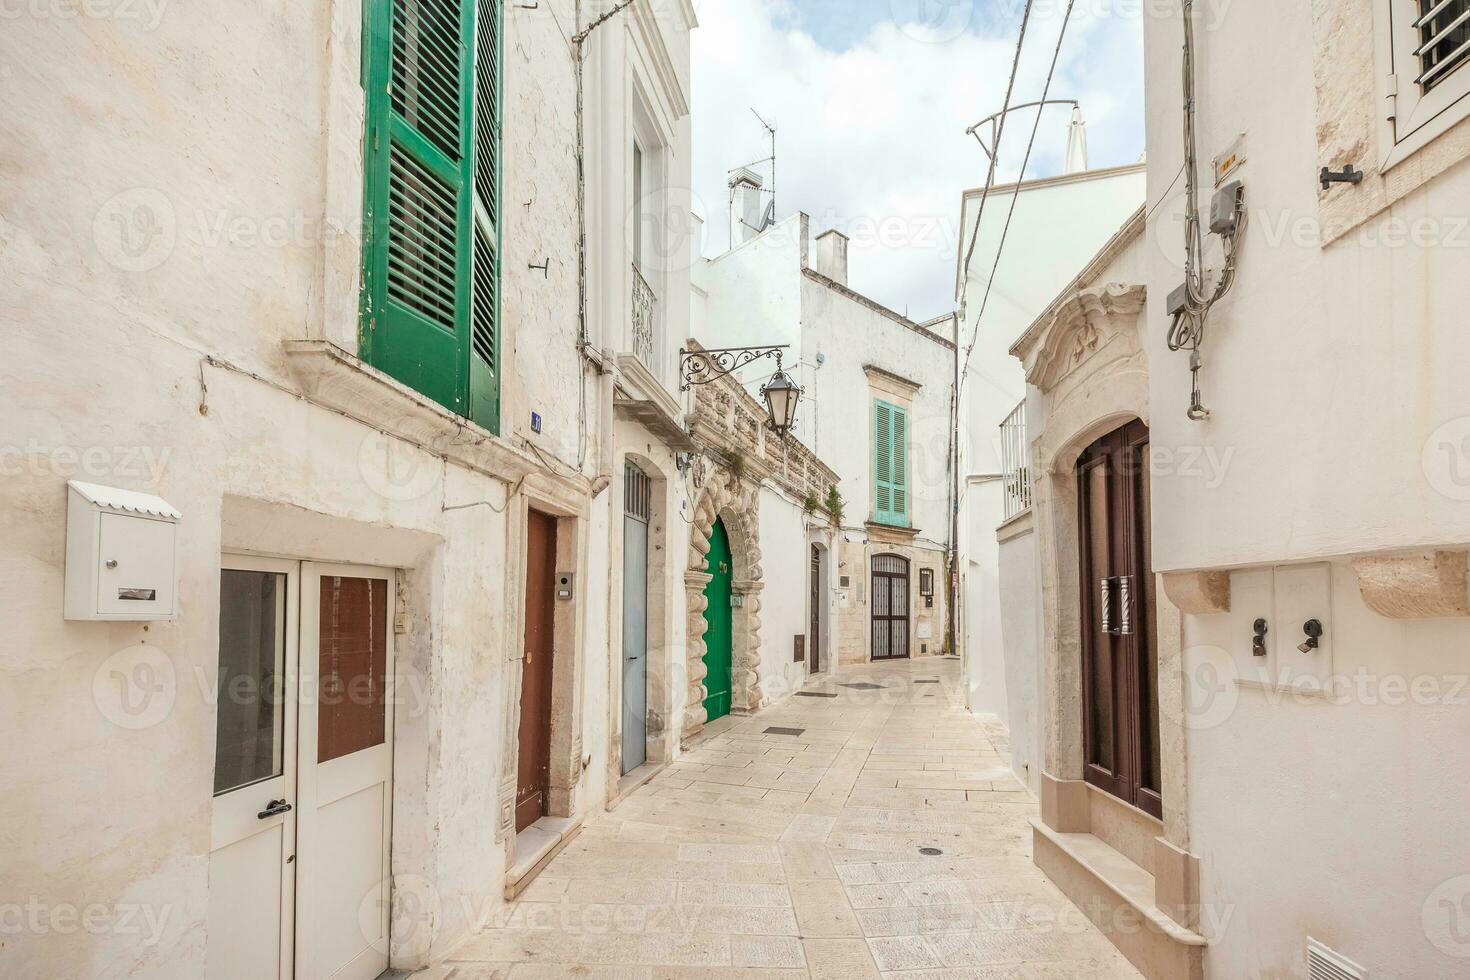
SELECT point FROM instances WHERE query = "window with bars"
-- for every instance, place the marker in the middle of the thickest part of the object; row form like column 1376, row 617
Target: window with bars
column 1424, row 51
column 890, row 464
column 431, row 236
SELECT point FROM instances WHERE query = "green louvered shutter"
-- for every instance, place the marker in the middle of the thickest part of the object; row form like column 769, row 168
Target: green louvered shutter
column 882, row 461
column 900, row 454
column 890, row 464
column 419, row 212
column 484, row 360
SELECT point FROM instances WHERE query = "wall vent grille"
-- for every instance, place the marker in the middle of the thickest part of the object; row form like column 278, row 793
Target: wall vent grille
column 1324, row 964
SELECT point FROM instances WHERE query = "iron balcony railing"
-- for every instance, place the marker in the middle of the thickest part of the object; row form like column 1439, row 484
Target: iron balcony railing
column 1014, row 466
column 645, row 343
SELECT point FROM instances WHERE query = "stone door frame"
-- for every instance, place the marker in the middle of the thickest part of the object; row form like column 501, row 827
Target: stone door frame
column 725, row 497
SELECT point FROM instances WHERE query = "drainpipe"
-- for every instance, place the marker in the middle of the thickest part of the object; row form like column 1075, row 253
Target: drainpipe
column 954, row 499
column 603, row 361
column 604, row 426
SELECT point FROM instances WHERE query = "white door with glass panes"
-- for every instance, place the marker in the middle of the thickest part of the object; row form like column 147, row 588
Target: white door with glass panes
column 303, row 771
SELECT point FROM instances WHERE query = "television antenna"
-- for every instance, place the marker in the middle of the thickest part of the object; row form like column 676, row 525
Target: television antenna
column 768, row 216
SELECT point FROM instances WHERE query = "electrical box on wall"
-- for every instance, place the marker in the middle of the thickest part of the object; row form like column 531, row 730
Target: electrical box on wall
column 121, row 555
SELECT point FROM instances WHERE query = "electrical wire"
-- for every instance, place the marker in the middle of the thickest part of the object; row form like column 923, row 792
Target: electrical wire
column 995, row 152
column 1016, row 195
column 1187, row 332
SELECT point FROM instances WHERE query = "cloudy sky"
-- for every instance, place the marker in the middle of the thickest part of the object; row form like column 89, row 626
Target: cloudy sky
column 871, row 99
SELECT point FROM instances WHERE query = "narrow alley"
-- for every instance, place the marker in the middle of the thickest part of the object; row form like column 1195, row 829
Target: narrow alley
column 869, row 826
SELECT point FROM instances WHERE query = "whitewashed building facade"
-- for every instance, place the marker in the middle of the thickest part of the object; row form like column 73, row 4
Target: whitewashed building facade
column 307, row 417
column 876, row 408
column 1250, row 566
column 1057, row 224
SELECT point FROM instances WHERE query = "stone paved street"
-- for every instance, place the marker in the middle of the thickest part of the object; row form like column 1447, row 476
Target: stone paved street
column 768, row 856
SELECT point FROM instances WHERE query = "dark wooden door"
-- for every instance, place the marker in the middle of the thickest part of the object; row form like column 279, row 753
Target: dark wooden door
column 1119, row 636
column 533, row 778
column 814, row 644
column 890, row 607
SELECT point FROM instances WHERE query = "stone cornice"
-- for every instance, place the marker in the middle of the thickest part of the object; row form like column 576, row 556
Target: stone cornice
column 1132, row 229
column 874, row 372
column 331, row 377
column 875, row 306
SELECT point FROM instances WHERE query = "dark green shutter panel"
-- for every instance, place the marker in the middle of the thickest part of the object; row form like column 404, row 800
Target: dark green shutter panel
column 485, row 285
column 428, row 44
column 422, row 240
column 882, row 460
column 417, row 251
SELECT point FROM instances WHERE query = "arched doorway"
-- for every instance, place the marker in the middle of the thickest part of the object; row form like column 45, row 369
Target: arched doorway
column 718, row 635
column 890, row 607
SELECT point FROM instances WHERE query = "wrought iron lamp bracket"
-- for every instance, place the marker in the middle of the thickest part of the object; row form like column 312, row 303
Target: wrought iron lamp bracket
column 700, row 367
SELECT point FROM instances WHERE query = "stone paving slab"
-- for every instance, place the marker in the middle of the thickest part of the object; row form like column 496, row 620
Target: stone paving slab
column 769, row 856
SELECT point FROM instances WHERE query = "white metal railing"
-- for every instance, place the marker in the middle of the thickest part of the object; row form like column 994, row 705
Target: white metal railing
column 645, row 347
column 1015, row 469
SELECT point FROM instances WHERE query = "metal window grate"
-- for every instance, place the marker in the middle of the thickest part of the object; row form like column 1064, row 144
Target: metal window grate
column 1444, row 35
column 1325, row 964
column 1015, row 473
column 890, row 565
column 637, row 493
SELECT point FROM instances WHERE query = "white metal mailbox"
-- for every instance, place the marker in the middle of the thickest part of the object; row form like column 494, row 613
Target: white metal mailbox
column 121, row 554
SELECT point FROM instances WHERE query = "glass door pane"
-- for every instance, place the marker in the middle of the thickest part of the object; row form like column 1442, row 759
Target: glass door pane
column 250, row 711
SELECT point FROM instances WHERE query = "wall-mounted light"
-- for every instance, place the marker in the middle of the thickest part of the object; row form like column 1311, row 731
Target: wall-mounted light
column 782, row 395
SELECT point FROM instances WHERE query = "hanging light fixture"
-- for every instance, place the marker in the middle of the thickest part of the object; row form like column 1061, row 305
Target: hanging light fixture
column 782, row 396
column 700, row 367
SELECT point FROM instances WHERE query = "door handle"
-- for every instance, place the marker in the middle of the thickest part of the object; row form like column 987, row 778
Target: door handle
column 1107, row 605
column 274, row 809
column 1125, row 605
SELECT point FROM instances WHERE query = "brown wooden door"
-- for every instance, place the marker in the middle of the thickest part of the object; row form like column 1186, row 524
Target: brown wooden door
column 533, row 778
column 814, row 654
column 890, row 607
column 1119, row 637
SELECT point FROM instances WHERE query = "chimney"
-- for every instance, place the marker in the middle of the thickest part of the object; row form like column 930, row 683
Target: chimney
column 832, row 255
column 1076, row 143
column 745, row 206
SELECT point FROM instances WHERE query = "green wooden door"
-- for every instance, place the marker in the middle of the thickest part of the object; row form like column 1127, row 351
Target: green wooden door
column 718, row 620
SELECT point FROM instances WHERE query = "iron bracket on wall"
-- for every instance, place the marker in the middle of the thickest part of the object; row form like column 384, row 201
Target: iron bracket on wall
column 1347, row 175
column 700, row 367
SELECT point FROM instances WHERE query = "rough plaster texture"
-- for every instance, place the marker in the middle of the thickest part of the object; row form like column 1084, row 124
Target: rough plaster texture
column 1379, row 317
column 191, row 188
column 1020, row 655
column 1058, row 227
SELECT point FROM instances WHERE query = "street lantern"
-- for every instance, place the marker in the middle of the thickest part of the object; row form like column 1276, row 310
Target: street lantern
column 782, row 396
column 700, row 367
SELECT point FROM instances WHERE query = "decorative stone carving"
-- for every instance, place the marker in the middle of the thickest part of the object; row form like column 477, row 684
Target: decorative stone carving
column 1198, row 593
column 1418, row 586
column 1078, row 327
